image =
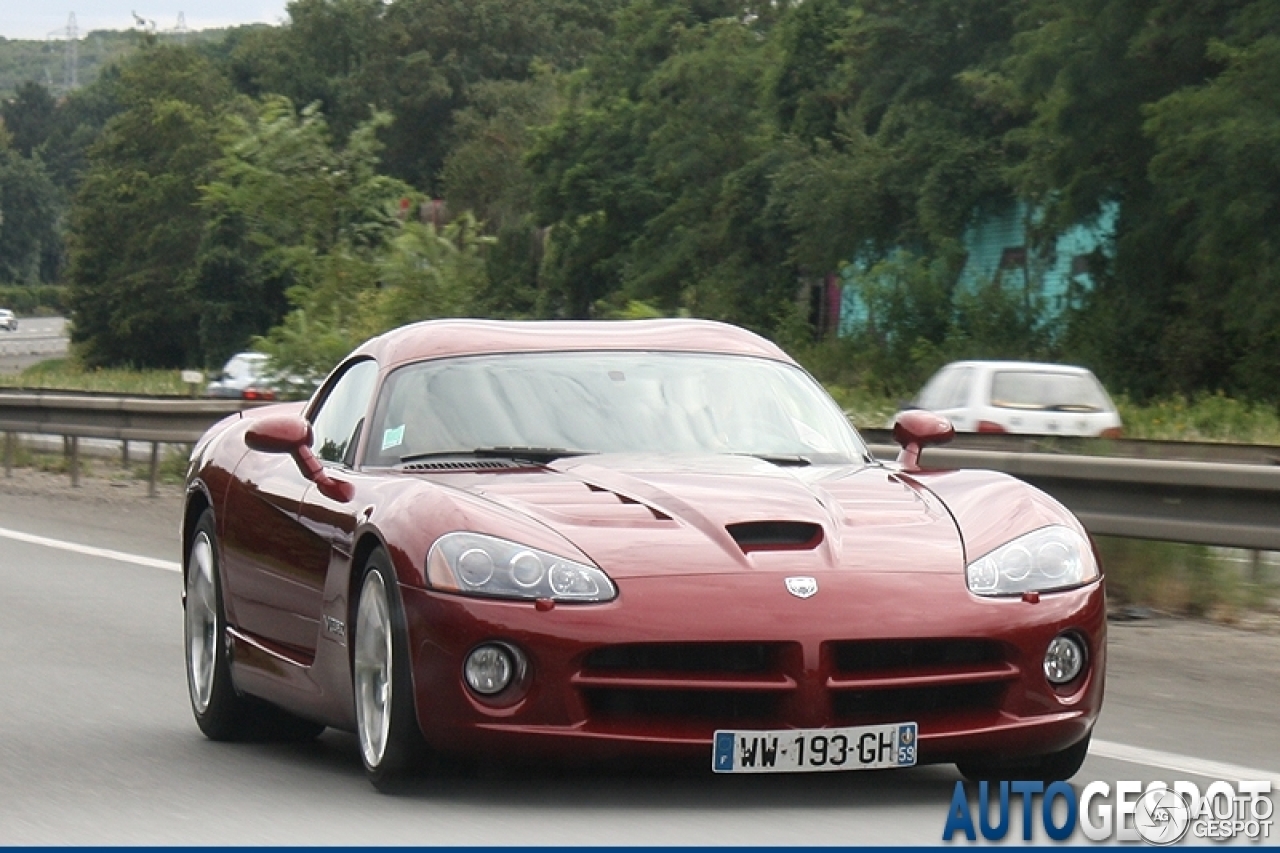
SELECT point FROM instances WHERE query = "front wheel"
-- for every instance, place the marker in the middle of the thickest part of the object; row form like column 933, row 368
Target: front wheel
column 221, row 712
column 391, row 744
column 1054, row 767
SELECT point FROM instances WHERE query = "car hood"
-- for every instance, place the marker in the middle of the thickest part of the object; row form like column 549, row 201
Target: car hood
column 645, row 515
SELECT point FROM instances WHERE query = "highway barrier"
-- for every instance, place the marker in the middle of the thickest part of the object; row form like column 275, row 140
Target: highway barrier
column 156, row 421
column 1144, row 495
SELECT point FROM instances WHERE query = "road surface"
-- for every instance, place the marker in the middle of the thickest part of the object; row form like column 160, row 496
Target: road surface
column 37, row 339
column 97, row 744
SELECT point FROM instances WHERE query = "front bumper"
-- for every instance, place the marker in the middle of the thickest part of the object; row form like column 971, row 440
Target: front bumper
column 657, row 671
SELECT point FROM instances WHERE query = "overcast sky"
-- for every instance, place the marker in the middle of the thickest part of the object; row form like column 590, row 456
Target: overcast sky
column 40, row 19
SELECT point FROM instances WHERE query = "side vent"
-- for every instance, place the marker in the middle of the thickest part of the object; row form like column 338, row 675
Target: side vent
column 776, row 535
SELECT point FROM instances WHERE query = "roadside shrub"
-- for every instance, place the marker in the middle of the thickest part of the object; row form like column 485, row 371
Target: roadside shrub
column 34, row 299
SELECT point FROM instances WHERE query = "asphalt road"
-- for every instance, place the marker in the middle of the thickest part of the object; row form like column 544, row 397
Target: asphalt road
column 97, row 745
column 37, row 339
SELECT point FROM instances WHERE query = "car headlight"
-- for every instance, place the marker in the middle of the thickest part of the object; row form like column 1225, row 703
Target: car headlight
column 1050, row 558
column 486, row 565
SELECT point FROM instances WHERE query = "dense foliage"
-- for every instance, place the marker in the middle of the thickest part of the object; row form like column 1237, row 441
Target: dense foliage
column 374, row 162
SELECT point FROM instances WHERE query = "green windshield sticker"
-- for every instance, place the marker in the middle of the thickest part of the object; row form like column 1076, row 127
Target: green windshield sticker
column 393, row 437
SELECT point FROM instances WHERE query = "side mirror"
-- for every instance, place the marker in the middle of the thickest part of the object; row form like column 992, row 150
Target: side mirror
column 915, row 430
column 292, row 434
column 278, row 434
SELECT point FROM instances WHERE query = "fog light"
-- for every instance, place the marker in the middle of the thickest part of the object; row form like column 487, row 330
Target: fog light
column 489, row 669
column 1064, row 659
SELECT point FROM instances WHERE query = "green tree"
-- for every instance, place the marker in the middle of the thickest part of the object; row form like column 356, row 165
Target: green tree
column 415, row 59
column 135, row 221
column 30, row 208
column 654, row 176
column 486, row 173
column 1087, row 72
column 28, row 116
column 901, row 151
column 287, row 209
column 423, row 273
column 1216, row 170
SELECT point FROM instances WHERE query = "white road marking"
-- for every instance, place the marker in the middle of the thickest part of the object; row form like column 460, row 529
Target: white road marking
column 1182, row 763
column 105, row 553
column 1099, row 748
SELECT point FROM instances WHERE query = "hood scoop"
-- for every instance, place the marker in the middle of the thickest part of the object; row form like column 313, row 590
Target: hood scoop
column 776, row 535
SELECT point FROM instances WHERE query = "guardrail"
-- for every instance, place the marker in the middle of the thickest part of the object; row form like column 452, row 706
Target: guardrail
column 126, row 419
column 1233, row 503
column 1207, row 503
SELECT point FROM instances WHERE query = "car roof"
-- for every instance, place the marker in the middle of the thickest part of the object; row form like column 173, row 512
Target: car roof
column 453, row 337
column 996, row 364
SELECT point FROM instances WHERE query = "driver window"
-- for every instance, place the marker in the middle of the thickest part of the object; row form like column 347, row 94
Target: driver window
column 336, row 423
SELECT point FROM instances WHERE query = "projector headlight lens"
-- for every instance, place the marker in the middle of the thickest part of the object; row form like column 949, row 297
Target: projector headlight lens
column 478, row 564
column 1048, row 559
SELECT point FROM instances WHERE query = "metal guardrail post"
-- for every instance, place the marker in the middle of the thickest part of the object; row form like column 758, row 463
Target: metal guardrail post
column 74, row 454
column 155, row 469
column 9, row 441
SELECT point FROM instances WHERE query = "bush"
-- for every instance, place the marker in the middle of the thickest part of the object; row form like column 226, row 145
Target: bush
column 34, row 299
column 1206, row 417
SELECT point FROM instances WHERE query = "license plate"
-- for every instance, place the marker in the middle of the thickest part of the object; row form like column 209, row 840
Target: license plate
column 811, row 750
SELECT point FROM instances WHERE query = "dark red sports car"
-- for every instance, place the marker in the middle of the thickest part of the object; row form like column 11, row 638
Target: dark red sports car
column 651, row 538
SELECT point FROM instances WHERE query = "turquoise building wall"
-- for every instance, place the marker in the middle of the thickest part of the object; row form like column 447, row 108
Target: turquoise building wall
column 996, row 247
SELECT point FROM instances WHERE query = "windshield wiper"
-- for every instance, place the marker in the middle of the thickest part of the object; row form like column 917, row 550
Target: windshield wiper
column 524, row 454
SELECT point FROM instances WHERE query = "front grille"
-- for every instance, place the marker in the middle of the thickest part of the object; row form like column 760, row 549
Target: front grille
column 704, row 684
column 876, row 681
column 770, row 685
column 863, row 656
column 854, row 707
column 709, row 658
column 719, row 706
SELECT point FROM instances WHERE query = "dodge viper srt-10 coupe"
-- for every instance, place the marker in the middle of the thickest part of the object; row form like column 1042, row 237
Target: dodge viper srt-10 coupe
column 634, row 540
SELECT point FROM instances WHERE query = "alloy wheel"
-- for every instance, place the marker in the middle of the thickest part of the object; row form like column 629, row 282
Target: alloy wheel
column 201, row 623
column 373, row 663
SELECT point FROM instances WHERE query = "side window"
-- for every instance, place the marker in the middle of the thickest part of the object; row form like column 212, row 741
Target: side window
column 337, row 422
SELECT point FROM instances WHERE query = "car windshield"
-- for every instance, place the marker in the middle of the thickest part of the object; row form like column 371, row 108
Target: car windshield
column 605, row 402
column 1060, row 392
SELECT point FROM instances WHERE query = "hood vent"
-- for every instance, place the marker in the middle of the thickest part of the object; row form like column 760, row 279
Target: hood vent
column 462, row 465
column 776, row 535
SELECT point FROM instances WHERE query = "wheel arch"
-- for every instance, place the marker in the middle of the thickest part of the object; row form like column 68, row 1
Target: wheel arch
column 198, row 501
column 367, row 542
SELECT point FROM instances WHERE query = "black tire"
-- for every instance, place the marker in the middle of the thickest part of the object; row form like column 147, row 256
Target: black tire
column 222, row 713
column 1054, row 767
column 391, row 744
